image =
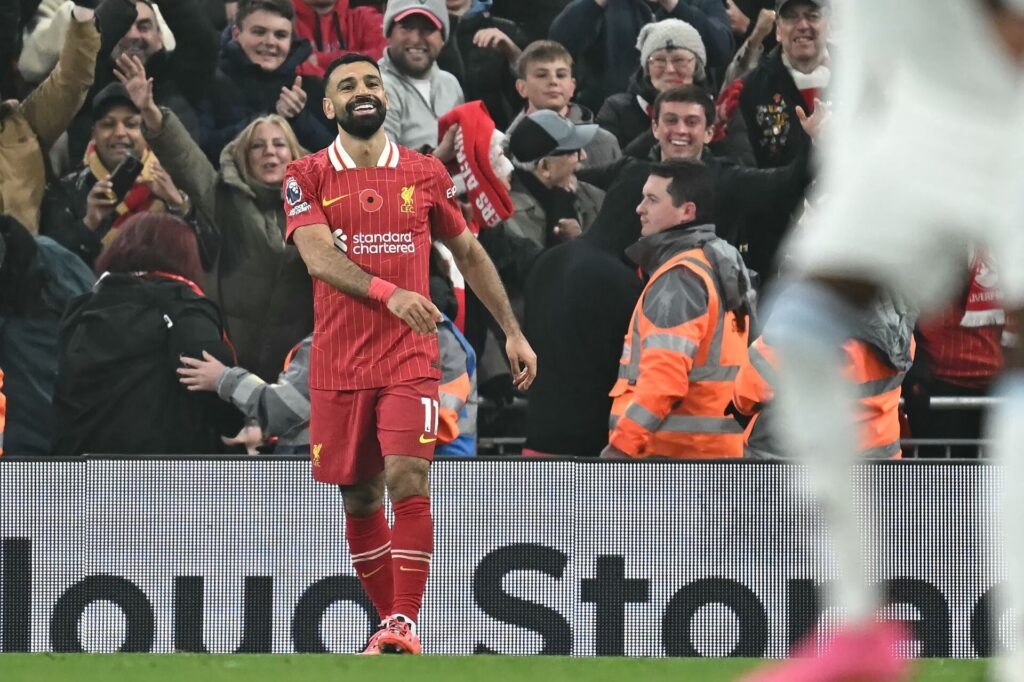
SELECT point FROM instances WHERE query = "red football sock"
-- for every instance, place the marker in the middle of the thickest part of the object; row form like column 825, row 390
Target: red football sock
column 369, row 542
column 411, row 548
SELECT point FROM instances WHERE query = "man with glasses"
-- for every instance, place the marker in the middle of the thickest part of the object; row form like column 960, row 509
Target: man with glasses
column 793, row 74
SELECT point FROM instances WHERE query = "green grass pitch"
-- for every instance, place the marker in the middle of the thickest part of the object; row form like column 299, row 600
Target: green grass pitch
column 296, row 668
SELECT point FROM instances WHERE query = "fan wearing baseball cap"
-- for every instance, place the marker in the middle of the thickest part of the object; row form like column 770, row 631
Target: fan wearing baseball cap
column 418, row 91
column 551, row 204
column 793, row 75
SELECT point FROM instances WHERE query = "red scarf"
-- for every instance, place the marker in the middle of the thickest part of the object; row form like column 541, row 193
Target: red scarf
column 984, row 306
column 489, row 198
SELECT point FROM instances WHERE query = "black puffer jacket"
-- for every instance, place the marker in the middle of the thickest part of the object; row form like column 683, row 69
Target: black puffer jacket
column 119, row 392
column 621, row 114
column 242, row 91
column 488, row 76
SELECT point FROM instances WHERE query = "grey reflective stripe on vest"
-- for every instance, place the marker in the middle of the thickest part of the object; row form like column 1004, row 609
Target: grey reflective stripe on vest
column 883, row 451
column 684, row 423
column 759, row 362
column 671, row 342
column 451, row 402
column 713, row 369
column 870, row 389
column 720, row 373
column 677, row 423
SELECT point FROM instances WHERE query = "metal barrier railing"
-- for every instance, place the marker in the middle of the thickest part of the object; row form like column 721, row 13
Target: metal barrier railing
column 935, row 448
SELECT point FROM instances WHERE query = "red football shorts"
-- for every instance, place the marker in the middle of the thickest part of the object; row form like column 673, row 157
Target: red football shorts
column 351, row 432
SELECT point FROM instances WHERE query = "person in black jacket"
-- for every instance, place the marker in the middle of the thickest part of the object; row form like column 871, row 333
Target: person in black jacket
column 793, row 75
column 257, row 76
column 671, row 54
column 489, row 48
column 579, row 298
column 179, row 50
column 79, row 211
column 120, row 346
column 753, row 206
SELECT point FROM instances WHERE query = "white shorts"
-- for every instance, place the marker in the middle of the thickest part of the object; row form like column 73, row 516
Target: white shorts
column 903, row 201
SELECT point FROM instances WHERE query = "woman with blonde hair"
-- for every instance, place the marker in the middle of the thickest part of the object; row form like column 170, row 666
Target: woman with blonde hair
column 260, row 282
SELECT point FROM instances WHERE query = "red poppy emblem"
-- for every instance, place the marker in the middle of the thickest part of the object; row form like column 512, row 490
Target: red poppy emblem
column 370, row 200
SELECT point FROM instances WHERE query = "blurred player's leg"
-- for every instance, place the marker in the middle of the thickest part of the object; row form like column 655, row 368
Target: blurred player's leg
column 807, row 326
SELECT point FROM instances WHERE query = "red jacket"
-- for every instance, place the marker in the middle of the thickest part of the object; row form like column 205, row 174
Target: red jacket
column 340, row 31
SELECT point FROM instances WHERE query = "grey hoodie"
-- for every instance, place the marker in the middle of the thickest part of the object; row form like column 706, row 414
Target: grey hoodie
column 411, row 120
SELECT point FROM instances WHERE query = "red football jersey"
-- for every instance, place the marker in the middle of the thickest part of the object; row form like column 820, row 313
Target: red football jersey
column 383, row 218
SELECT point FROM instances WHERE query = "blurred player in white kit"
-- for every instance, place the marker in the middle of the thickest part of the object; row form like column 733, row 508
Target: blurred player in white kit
column 925, row 156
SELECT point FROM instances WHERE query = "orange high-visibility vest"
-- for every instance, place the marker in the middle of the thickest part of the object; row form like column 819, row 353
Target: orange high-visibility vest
column 675, row 384
column 879, row 388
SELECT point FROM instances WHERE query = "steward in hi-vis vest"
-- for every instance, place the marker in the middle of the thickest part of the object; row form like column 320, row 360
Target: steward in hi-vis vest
column 688, row 334
column 876, row 361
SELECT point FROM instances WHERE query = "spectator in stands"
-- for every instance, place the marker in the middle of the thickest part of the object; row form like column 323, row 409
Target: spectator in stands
column 534, row 17
column 579, row 297
column 418, row 91
column 334, row 28
column 119, row 347
column 257, row 76
column 546, row 82
column 176, row 43
column 961, row 354
column 28, row 129
column 80, row 210
column 275, row 413
column 601, row 35
column 688, row 334
column 877, row 361
column 792, row 75
column 682, row 130
column 490, row 48
column 671, row 54
column 260, row 282
column 38, row 279
column 551, row 204
column 758, row 36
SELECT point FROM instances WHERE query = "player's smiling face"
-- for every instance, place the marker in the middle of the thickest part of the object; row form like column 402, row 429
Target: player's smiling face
column 355, row 98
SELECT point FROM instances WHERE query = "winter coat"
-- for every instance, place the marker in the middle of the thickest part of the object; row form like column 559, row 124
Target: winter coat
column 603, row 40
column 119, row 392
column 29, row 128
column 260, row 283
column 180, row 78
column 411, row 120
column 343, row 30
column 622, row 115
column 63, row 218
column 488, row 74
column 242, row 91
column 528, row 220
column 579, row 298
column 28, row 347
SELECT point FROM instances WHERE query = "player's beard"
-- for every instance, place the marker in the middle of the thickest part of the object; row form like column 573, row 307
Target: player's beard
column 362, row 127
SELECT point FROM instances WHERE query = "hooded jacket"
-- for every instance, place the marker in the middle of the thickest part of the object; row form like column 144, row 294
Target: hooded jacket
column 411, row 120
column 260, row 282
column 242, row 91
column 622, row 114
column 343, row 30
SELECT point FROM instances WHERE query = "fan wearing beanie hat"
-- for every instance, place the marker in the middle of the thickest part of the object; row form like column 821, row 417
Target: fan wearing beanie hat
column 667, row 42
column 672, row 53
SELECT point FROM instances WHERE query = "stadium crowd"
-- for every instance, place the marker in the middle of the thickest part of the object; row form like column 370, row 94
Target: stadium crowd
column 631, row 166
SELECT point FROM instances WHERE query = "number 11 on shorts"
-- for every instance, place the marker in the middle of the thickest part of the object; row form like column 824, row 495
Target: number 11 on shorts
column 430, row 407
